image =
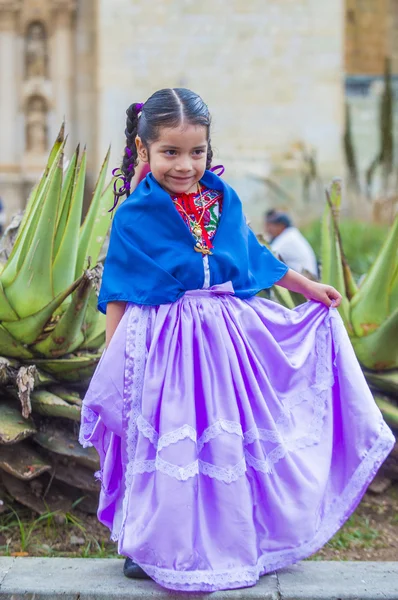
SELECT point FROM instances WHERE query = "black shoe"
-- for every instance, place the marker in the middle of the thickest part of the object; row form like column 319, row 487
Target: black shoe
column 134, row 571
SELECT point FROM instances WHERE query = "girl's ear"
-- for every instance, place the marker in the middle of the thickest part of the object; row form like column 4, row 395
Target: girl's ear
column 141, row 150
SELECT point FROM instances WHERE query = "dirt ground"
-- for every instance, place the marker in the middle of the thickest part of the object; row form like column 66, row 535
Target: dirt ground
column 370, row 534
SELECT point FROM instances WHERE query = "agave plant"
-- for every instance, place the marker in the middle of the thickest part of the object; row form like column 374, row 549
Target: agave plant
column 369, row 311
column 51, row 335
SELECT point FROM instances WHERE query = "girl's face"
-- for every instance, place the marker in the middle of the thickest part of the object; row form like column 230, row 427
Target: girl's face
column 177, row 158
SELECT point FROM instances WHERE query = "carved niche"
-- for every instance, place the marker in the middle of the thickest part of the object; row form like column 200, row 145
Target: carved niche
column 36, row 125
column 36, row 56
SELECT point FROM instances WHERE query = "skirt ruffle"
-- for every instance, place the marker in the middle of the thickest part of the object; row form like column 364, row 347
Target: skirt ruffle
column 235, row 437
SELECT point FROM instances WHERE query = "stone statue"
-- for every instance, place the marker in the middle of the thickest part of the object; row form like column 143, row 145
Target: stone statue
column 36, row 51
column 36, row 126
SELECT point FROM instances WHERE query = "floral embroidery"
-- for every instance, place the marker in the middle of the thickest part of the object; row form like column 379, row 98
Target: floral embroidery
column 212, row 199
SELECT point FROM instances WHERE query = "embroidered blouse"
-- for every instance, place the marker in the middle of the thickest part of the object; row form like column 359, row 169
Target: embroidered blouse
column 190, row 207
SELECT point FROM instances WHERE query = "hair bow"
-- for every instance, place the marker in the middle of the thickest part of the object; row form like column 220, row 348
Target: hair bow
column 138, row 107
column 219, row 168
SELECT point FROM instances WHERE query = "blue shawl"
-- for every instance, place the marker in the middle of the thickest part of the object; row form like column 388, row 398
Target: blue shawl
column 151, row 257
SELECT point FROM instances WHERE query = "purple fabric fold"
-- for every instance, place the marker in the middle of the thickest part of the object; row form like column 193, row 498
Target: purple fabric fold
column 235, row 436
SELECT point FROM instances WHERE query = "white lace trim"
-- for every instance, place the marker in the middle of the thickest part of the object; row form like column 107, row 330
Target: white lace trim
column 147, row 431
column 88, row 421
column 265, row 466
column 266, row 435
column 220, row 426
column 186, row 431
column 226, row 474
column 132, row 394
column 316, row 396
column 338, row 513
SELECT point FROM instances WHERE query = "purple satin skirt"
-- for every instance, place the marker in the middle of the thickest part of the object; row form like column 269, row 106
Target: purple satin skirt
column 235, row 436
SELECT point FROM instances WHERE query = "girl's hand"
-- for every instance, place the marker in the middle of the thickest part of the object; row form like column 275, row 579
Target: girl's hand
column 323, row 293
column 295, row 282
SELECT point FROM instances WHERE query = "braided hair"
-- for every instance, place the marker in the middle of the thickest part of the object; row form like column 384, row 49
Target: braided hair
column 165, row 108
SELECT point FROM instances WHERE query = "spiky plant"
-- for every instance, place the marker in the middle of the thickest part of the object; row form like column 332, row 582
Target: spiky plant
column 369, row 311
column 51, row 335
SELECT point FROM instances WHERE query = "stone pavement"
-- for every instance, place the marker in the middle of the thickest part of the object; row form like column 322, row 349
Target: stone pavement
column 100, row 579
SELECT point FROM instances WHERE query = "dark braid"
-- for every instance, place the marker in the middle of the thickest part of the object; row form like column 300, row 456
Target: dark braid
column 130, row 161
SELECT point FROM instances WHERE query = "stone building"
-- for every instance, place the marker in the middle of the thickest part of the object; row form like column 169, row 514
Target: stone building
column 271, row 72
column 371, row 35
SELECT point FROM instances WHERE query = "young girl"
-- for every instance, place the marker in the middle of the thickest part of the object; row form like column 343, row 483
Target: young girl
column 235, row 436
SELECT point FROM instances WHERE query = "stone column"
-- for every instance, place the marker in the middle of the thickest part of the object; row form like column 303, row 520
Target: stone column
column 8, row 82
column 62, row 64
column 10, row 186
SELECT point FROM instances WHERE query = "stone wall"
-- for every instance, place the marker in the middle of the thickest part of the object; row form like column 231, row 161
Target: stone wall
column 366, row 36
column 364, row 99
column 370, row 35
column 271, row 73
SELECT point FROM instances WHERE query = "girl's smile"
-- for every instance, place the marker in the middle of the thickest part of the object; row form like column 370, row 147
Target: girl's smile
column 177, row 158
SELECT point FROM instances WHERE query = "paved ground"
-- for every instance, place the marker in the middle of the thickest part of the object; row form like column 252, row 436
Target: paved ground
column 99, row 579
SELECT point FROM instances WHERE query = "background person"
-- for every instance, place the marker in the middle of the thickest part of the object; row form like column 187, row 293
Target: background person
column 289, row 244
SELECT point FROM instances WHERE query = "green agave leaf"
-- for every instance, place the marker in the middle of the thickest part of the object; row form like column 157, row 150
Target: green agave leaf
column 53, row 159
column 64, row 266
column 372, row 304
column 93, row 327
column 394, row 290
column 331, row 236
column 386, row 381
column 67, row 335
column 62, row 442
column 89, row 221
column 327, row 243
column 332, row 265
column 335, row 195
column 25, row 464
column 32, row 288
column 11, row 347
column 283, row 296
column 101, row 225
column 379, row 350
column 336, row 275
column 13, row 427
column 28, row 330
column 30, row 222
column 74, row 369
column 47, row 403
column 6, row 311
column 96, row 342
column 66, row 394
column 64, row 205
column 388, row 410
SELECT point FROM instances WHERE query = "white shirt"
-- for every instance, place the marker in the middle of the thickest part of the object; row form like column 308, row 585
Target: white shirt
column 295, row 251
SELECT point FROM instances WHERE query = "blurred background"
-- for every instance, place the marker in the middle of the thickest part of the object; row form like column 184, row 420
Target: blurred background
column 300, row 91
